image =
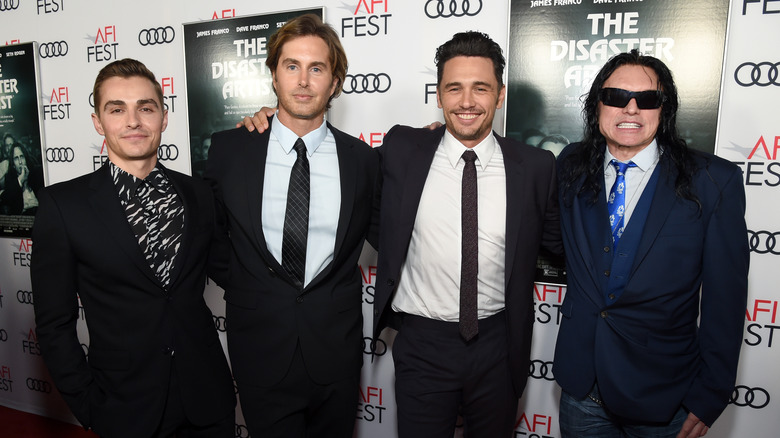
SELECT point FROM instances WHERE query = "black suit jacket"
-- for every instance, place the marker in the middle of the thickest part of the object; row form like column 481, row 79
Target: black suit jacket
column 267, row 315
column 83, row 245
column 532, row 222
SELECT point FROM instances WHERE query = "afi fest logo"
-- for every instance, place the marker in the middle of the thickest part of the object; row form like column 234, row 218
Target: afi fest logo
column 6, row 383
column 58, row 107
column 99, row 159
column 103, row 46
column 371, row 404
column 547, row 303
column 761, row 167
column 373, row 139
column 534, row 426
column 369, row 18
column 761, row 323
column 368, row 274
column 50, row 6
column 30, row 345
column 169, row 94
column 22, row 253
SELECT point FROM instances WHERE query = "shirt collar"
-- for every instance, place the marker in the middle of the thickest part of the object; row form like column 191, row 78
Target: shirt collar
column 454, row 149
column 127, row 184
column 644, row 159
column 287, row 138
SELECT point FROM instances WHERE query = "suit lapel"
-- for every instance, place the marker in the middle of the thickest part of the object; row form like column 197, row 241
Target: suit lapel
column 253, row 172
column 348, row 168
column 191, row 210
column 418, row 165
column 663, row 200
column 515, row 200
column 106, row 206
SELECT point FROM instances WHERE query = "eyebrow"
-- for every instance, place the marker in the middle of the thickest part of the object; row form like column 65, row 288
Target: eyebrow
column 139, row 102
column 295, row 61
column 475, row 83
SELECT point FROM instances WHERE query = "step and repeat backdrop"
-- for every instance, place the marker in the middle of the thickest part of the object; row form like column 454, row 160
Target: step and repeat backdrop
column 210, row 63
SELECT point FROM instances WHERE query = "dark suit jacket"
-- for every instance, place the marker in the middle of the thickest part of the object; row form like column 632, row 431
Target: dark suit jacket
column 531, row 222
column 267, row 315
column 84, row 245
column 646, row 350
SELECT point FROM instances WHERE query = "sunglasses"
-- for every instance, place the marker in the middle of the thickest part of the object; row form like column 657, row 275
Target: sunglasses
column 619, row 97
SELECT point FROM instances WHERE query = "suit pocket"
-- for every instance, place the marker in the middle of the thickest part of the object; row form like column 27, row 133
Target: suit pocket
column 113, row 360
column 241, row 298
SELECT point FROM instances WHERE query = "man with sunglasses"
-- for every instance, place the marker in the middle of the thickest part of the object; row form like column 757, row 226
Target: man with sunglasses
column 654, row 234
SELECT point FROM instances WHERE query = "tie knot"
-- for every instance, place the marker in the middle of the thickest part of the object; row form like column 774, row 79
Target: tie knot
column 300, row 147
column 622, row 167
column 469, row 156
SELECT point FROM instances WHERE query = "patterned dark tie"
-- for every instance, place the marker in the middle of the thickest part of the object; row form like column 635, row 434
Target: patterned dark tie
column 617, row 200
column 296, row 218
column 469, row 267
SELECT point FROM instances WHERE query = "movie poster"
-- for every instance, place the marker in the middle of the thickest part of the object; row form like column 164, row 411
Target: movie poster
column 557, row 46
column 21, row 164
column 226, row 74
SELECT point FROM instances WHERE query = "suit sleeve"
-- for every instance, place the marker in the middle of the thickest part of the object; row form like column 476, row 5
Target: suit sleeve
column 219, row 254
column 725, row 264
column 551, row 237
column 53, row 272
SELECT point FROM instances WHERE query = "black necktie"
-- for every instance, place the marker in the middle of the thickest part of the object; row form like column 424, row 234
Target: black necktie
column 469, row 267
column 296, row 217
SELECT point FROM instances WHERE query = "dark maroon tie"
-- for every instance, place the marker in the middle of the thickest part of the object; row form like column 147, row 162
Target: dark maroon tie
column 469, row 250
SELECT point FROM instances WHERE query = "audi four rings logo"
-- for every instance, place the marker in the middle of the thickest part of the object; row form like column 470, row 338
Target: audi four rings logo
column 59, row 155
column 452, row 8
column 762, row 74
column 24, row 297
column 744, row 396
column 38, row 385
column 541, row 370
column 167, row 152
column 367, row 83
column 764, row 242
column 156, row 35
column 220, row 323
column 53, row 49
column 7, row 5
column 241, row 431
column 374, row 347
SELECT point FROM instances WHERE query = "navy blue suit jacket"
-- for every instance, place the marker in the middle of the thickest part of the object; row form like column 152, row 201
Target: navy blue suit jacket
column 650, row 350
column 531, row 222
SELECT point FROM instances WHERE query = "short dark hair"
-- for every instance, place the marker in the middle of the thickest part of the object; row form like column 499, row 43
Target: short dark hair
column 471, row 43
column 124, row 68
column 310, row 25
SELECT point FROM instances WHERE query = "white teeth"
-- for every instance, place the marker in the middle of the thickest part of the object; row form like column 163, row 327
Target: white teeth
column 628, row 125
column 467, row 116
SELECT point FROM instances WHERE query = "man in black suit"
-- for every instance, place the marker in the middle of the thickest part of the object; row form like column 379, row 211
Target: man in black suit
column 464, row 213
column 297, row 204
column 131, row 240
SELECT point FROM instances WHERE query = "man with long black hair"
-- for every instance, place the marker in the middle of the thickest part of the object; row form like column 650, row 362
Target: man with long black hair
column 657, row 263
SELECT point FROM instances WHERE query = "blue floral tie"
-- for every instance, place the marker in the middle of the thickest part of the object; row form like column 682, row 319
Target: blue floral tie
column 617, row 201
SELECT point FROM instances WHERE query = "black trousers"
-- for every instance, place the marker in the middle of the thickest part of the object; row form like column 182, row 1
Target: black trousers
column 299, row 407
column 440, row 376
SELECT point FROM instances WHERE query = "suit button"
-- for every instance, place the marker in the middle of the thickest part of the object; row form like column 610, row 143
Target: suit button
column 167, row 350
column 606, row 249
column 271, row 271
column 603, row 314
column 611, row 296
column 299, row 299
column 606, row 273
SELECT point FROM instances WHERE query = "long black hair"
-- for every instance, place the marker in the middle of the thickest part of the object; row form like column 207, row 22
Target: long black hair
column 588, row 160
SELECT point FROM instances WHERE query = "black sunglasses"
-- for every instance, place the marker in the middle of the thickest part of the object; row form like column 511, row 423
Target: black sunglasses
column 619, row 97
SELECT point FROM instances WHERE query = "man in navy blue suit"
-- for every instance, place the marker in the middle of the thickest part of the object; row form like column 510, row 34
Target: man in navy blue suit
column 657, row 265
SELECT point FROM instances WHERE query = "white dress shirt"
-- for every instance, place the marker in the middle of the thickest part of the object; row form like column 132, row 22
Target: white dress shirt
column 430, row 276
column 325, row 193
